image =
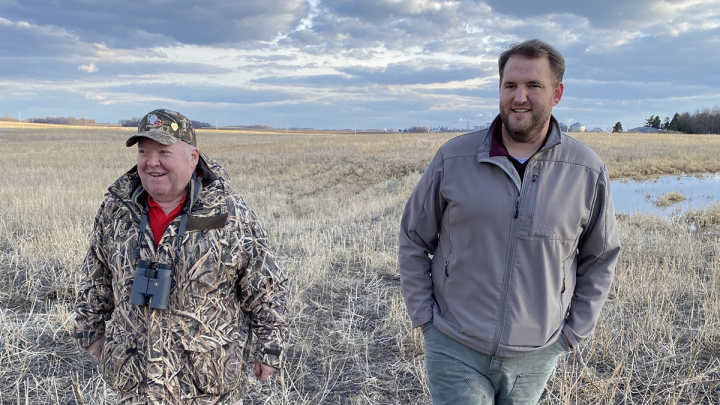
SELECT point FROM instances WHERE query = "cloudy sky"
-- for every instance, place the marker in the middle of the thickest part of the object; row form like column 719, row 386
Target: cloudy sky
column 350, row 63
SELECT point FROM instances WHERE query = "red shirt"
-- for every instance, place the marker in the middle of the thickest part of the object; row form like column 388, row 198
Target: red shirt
column 158, row 220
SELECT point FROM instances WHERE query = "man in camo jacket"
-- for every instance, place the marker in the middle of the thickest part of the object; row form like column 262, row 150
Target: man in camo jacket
column 178, row 278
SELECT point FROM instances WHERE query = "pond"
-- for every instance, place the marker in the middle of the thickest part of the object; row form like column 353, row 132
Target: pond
column 667, row 195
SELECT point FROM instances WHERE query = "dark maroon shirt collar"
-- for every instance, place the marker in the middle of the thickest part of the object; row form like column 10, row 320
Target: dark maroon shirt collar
column 497, row 147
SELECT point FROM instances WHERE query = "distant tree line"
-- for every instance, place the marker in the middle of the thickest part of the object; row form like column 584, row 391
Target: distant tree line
column 200, row 124
column 61, row 120
column 134, row 121
column 418, row 129
column 704, row 121
column 654, row 122
column 8, row 117
column 257, row 126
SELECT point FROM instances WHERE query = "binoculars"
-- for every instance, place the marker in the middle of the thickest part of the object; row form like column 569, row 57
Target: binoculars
column 151, row 283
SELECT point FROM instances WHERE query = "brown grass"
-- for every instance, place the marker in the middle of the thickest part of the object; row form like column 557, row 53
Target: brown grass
column 668, row 199
column 644, row 156
column 332, row 204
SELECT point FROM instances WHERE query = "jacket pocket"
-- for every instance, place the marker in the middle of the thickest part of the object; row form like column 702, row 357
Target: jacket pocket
column 447, row 265
column 219, row 370
column 446, row 273
column 121, row 364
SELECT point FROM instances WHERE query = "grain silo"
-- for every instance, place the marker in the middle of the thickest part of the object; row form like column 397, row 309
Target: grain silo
column 576, row 127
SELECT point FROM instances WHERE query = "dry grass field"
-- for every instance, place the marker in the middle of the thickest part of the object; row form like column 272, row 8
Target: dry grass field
column 332, row 204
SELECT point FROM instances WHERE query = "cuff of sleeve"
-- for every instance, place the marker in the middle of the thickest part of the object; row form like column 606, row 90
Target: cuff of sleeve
column 86, row 338
column 271, row 357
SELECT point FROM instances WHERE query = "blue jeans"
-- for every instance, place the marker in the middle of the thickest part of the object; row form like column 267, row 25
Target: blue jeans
column 459, row 375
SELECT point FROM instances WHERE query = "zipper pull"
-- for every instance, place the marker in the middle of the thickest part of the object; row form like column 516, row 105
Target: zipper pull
column 534, row 179
column 446, row 268
column 517, row 207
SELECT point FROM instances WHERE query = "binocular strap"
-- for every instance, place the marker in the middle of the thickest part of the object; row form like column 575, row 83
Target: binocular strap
column 181, row 231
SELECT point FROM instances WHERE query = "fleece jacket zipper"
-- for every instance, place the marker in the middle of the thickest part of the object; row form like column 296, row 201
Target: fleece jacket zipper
column 512, row 244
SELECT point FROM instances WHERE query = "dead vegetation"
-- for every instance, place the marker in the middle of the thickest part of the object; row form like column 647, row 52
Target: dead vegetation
column 668, row 199
column 332, row 204
column 649, row 156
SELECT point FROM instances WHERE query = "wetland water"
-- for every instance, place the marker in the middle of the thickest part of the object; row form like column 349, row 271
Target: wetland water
column 630, row 196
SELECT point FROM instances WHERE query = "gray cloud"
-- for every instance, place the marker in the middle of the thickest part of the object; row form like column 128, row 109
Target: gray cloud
column 487, row 93
column 377, row 10
column 203, row 93
column 678, row 60
column 40, row 102
column 26, row 40
column 619, row 90
column 310, row 81
column 150, row 68
column 46, row 68
column 394, row 24
column 440, row 13
column 603, row 14
column 414, row 73
column 132, row 24
column 393, row 74
column 334, row 32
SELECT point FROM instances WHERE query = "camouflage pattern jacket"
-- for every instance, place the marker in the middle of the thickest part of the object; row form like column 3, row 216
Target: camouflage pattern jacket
column 225, row 285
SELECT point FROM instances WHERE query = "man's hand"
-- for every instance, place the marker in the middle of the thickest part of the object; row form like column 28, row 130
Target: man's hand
column 263, row 371
column 96, row 347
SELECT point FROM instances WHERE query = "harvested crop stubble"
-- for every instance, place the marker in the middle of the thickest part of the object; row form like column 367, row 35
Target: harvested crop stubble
column 647, row 156
column 332, row 204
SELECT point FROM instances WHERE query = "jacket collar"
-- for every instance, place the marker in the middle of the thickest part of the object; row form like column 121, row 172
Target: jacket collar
column 554, row 138
column 139, row 195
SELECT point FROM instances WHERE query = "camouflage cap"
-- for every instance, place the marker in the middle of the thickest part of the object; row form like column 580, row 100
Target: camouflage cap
column 164, row 126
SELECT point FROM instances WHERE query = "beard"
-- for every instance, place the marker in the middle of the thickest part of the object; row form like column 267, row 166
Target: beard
column 524, row 131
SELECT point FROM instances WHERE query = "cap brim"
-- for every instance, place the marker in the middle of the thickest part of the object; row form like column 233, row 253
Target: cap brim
column 161, row 137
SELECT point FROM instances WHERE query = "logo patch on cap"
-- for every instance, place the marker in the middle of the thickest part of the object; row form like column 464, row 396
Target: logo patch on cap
column 166, row 126
column 154, row 121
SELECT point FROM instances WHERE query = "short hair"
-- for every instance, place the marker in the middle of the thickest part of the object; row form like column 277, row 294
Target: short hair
column 535, row 49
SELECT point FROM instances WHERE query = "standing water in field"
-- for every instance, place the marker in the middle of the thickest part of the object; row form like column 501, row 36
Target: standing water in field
column 666, row 195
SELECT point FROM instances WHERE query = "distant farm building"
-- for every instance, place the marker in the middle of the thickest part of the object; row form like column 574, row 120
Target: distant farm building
column 596, row 129
column 644, row 130
column 563, row 127
column 577, row 127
